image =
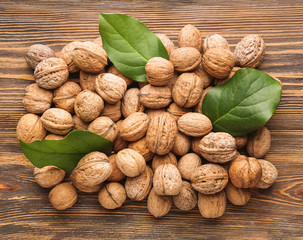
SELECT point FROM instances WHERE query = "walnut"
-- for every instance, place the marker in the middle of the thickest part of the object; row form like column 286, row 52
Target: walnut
column 63, row 196
column 168, row 44
column 181, row 145
column 186, row 199
column 141, row 147
column 137, row 188
column 212, row 206
column 162, row 159
column 245, row 172
column 116, row 72
column 161, row 134
column 48, row 176
column 190, row 36
column 88, row 80
column 112, row 195
column 131, row 102
column 198, row 107
column 219, row 147
column 53, row 137
column 194, row 124
column 113, row 111
column 116, row 174
column 195, row 144
column 130, row 162
column 57, row 121
column 152, row 113
column 209, row 178
column 119, row 142
column 105, row 127
column 206, row 79
column 65, row 96
column 155, row 97
column 237, row 196
column 241, row 141
column 218, row 62
column 187, row 90
column 214, row 41
column 134, row 126
column 37, row 100
column 66, row 54
column 173, row 80
column 79, row 124
column 177, row 111
column 30, row 128
column 159, row 71
column 110, row 87
column 249, row 52
column 51, row 73
column 188, row 164
column 167, row 180
column 269, row 174
column 185, row 59
column 158, row 205
column 258, row 143
column 37, row 53
column 89, row 57
column 88, row 105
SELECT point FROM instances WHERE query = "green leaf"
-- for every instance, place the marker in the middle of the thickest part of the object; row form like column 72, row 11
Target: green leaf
column 129, row 44
column 244, row 103
column 67, row 152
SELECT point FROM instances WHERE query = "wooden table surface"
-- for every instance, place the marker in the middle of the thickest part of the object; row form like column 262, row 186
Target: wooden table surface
column 275, row 213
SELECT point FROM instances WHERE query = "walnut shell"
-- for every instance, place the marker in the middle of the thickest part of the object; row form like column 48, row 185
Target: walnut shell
column 152, row 113
column 214, row 41
column 37, row 100
column 206, row 79
column 88, row 105
column 110, row 87
column 188, row 164
column 155, row 97
column 177, row 111
column 79, row 124
column 187, row 90
column 186, row 199
column 237, row 196
column 105, row 127
column 53, row 137
column 173, row 80
column 185, row 59
column 158, row 205
column 51, row 73
column 162, row 159
column 37, row 53
column 249, row 52
column 198, row 107
column 141, row 147
column 119, row 142
column 89, row 57
column 195, row 144
column 269, row 174
column 212, row 206
column 66, row 54
column 209, row 178
column 137, row 188
column 241, row 141
column 88, row 80
column 219, row 147
column 116, row 72
column 116, row 174
column 167, row 180
column 194, row 124
column 112, row 195
column 161, row 134
column 258, row 143
column 190, row 36
column 131, row 102
column 168, row 44
column 218, row 62
column 159, row 71
column 181, row 145
column 63, row 196
column 48, row 176
column 113, row 111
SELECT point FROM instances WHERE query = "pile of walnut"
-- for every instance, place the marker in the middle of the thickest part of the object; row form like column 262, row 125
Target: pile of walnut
column 159, row 123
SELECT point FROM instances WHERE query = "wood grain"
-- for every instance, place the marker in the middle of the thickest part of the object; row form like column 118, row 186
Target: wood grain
column 275, row 213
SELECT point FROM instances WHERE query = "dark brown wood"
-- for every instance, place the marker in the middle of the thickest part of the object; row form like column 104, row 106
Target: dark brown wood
column 275, row 213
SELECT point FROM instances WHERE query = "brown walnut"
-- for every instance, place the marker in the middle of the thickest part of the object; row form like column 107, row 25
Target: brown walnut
column 105, row 127
column 181, row 145
column 185, row 59
column 113, row 111
column 158, row 205
column 258, row 143
column 63, row 196
column 116, row 174
column 116, row 72
column 168, row 44
column 190, row 36
column 159, row 71
column 212, row 206
column 269, row 174
column 214, row 41
column 177, row 111
column 162, row 159
column 37, row 53
column 237, row 196
column 141, row 147
column 119, row 142
column 79, row 124
column 206, row 79
column 88, row 80
column 30, row 128
column 188, row 164
column 112, row 195
column 152, row 113
column 241, row 141
column 66, row 54
column 131, row 102
column 48, row 176
column 155, row 97
column 186, row 199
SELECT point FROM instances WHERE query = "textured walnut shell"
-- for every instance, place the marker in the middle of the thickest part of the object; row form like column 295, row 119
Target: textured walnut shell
column 110, row 87
column 130, row 162
column 155, row 97
column 218, row 62
column 168, row 44
column 37, row 100
column 181, row 145
column 63, row 196
column 105, row 127
column 249, row 52
column 269, row 174
column 241, row 141
column 188, row 164
column 167, row 180
column 113, row 111
column 159, row 71
column 206, row 79
column 185, row 59
column 131, row 102
column 258, row 143
column 161, row 134
column 141, row 147
column 186, row 199
column 152, row 113
column 177, row 111
column 79, row 124
column 116, row 174
column 89, row 57
column 88, row 105
column 88, row 80
column 245, row 172
column 162, row 159
column 112, row 195
column 195, row 144
column 66, row 54
column 194, row 124
column 119, row 142
column 137, row 188
column 212, row 206
column 190, row 36
column 116, row 72
column 48, row 176
column 158, row 205
column 198, row 107
column 237, row 196
column 209, row 178
column 214, row 41
column 173, row 80
column 65, row 96
column 219, row 147
column 187, row 90
column 53, row 137
column 37, row 53
column 51, row 73
column 134, row 126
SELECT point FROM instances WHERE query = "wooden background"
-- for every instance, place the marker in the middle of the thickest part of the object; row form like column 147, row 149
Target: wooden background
column 276, row 213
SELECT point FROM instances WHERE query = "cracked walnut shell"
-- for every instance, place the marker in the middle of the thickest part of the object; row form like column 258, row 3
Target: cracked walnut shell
column 185, row 59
